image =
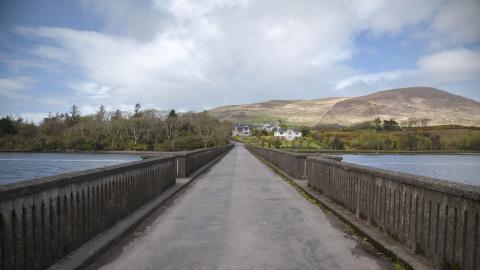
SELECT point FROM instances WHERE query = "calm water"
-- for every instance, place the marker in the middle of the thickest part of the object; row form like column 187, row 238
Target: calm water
column 15, row 167
column 458, row 168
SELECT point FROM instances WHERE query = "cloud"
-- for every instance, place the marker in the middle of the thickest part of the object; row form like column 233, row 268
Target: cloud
column 199, row 54
column 92, row 90
column 451, row 65
column 391, row 16
column 129, row 18
column 12, row 87
column 459, row 20
column 372, row 78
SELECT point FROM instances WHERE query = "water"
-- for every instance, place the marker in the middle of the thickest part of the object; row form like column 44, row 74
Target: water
column 457, row 168
column 16, row 167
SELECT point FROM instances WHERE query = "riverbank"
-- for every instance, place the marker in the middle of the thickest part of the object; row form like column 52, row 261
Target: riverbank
column 381, row 152
column 98, row 152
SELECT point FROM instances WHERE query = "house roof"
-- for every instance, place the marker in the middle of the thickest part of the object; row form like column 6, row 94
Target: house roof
column 240, row 126
column 287, row 129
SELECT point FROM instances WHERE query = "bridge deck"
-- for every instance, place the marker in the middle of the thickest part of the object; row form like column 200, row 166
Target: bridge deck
column 241, row 215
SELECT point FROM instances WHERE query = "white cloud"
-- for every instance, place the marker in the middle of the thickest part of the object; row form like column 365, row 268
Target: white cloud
column 92, row 90
column 199, row 54
column 391, row 16
column 459, row 20
column 372, row 78
column 451, row 65
column 441, row 68
column 12, row 87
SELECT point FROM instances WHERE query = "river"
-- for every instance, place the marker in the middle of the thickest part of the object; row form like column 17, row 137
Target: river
column 457, row 168
column 16, row 167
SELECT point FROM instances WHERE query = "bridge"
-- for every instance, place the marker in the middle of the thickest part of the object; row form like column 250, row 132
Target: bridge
column 239, row 207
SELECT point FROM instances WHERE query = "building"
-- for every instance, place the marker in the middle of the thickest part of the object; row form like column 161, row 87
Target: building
column 241, row 130
column 287, row 134
column 271, row 127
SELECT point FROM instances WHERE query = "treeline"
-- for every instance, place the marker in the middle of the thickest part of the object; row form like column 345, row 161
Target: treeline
column 379, row 125
column 114, row 130
column 401, row 140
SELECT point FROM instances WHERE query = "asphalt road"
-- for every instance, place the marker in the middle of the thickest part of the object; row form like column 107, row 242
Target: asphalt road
column 241, row 215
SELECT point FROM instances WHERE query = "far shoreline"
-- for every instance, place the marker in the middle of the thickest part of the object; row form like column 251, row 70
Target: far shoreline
column 87, row 152
column 299, row 151
column 381, row 152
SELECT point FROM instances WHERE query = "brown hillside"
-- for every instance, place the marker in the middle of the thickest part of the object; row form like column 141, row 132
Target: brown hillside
column 414, row 102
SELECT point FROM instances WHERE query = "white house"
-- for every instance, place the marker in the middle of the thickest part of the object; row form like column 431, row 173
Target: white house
column 270, row 127
column 241, row 130
column 287, row 134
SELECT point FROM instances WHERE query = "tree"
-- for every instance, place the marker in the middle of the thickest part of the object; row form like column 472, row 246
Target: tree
column 173, row 125
column 117, row 114
column 73, row 117
column 139, row 124
column 412, row 122
column 137, row 110
column 205, row 124
column 371, row 141
column 101, row 113
column 337, row 143
column 114, row 130
column 305, row 131
column 424, row 122
column 221, row 133
column 390, row 125
column 435, row 141
column 7, row 126
column 172, row 113
column 409, row 141
column 377, row 124
column 117, row 128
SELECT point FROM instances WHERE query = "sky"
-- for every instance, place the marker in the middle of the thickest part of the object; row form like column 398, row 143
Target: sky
column 196, row 55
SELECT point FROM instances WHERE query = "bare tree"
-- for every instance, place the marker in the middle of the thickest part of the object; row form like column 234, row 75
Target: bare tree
column 424, row 122
column 412, row 122
column 205, row 124
column 117, row 127
column 137, row 126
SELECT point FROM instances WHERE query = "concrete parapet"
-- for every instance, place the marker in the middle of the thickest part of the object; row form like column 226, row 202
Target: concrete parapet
column 434, row 218
column 294, row 164
column 189, row 161
column 437, row 219
column 45, row 219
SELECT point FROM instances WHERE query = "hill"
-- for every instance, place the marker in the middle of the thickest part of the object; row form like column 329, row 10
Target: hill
column 440, row 107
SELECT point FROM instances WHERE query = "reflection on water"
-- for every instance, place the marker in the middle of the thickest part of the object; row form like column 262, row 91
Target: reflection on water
column 458, row 168
column 15, row 167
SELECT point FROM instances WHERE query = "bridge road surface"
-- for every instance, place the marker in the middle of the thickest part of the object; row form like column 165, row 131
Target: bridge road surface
column 241, row 215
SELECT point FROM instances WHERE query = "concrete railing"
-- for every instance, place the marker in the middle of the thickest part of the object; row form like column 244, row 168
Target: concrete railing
column 189, row 161
column 294, row 164
column 435, row 218
column 43, row 220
